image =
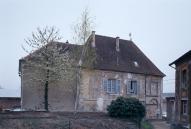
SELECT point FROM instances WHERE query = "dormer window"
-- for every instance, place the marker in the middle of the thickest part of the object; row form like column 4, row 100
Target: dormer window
column 136, row 64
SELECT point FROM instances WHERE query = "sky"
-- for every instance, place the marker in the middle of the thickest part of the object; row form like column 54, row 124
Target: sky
column 160, row 28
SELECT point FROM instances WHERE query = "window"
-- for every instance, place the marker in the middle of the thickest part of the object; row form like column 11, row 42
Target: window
column 154, row 88
column 184, row 106
column 132, row 87
column 111, row 86
column 183, row 78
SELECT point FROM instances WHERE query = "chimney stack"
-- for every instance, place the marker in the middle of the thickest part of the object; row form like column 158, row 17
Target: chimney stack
column 93, row 39
column 117, row 44
column 130, row 36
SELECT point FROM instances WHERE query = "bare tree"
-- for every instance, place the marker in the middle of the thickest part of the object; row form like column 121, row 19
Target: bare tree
column 47, row 58
column 41, row 38
column 57, row 65
column 82, row 30
column 83, row 27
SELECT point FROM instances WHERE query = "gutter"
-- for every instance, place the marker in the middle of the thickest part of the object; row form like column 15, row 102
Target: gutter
column 172, row 66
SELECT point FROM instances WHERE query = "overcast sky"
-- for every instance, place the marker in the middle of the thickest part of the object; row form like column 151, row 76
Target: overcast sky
column 160, row 28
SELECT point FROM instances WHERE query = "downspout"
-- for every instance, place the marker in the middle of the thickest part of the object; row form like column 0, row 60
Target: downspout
column 172, row 66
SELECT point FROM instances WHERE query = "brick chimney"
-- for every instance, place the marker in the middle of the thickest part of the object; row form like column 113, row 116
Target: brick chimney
column 93, row 39
column 117, row 44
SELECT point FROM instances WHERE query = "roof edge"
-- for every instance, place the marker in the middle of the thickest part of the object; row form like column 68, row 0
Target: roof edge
column 181, row 57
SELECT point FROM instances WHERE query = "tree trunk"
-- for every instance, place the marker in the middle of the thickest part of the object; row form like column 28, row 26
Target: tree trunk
column 77, row 87
column 46, row 92
column 46, row 96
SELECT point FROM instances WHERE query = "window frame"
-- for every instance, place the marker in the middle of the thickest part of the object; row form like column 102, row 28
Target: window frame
column 184, row 107
column 112, row 86
column 157, row 86
column 183, row 79
column 131, row 88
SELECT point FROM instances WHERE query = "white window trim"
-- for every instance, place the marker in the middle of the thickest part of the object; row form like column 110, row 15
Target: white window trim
column 107, row 88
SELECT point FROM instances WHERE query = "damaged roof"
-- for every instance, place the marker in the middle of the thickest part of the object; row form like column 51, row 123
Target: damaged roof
column 129, row 58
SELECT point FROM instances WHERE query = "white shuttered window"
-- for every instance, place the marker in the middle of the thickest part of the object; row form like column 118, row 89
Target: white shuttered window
column 111, row 86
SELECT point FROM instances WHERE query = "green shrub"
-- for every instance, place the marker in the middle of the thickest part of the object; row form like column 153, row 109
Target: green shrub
column 130, row 108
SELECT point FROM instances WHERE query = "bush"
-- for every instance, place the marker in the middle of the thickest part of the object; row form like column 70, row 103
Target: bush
column 126, row 108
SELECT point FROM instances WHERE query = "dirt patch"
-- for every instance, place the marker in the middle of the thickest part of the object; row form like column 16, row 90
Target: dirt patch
column 160, row 124
column 62, row 120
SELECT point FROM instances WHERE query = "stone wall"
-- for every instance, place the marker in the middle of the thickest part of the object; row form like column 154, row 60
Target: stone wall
column 61, row 94
column 94, row 98
column 182, row 93
column 9, row 102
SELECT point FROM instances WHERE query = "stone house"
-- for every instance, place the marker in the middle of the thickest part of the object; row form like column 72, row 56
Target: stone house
column 120, row 69
column 182, row 88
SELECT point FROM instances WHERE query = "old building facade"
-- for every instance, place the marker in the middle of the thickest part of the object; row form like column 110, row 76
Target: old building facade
column 170, row 109
column 120, row 69
column 101, row 87
column 182, row 88
column 168, row 106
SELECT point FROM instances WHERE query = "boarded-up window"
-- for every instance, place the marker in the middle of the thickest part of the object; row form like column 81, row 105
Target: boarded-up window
column 154, row 88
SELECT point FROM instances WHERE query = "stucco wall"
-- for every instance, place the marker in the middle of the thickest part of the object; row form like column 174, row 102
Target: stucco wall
column 94, row 98
column 31, row 89
column 60, row 94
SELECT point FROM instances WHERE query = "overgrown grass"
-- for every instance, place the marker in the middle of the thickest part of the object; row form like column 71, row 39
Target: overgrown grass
column 146, row 125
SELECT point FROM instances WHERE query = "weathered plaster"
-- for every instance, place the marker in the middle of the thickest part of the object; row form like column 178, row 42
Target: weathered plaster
column 92, row 90
column 92, row 96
